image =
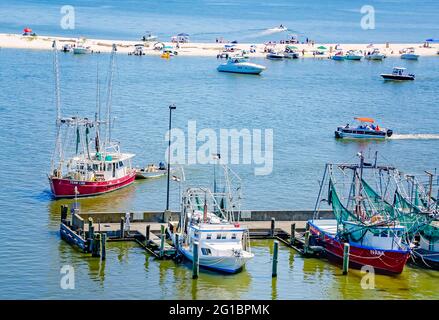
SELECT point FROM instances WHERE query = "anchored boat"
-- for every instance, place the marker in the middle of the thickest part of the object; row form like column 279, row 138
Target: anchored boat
column 354, row 55
column 398, row 73
column 275, row 55
column 375, row 55
column 151, row 171
column 207, row 227
column 91, row 167
column 365, row 130
column 240, row 65
column 338, row 56
column 409, row 54
column 375, row 238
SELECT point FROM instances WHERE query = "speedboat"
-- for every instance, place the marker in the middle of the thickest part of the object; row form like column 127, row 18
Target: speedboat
column 275, row 55
column 67, row 48
column 281, row 28
column 80, row 48
column 291, row 52
column 398, row 74
column 169, row 50
column 240, row 65
column 149, row 37
column 138, row 50
column 151, row 171
column 375, row 55
column 409, row 54
column 339, row 56
column 365, row 130
column 353, row 55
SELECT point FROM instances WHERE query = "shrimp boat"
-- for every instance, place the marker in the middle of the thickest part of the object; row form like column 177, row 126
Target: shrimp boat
column 91, row 167
column 240, row 65
column 375, row 237
column 207, row 224
column 365, row 130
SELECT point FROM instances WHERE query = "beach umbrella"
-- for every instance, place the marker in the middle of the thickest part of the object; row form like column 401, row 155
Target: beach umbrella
column 183, row 35
column 292, row 47
column 27, row 30
column 322, row 48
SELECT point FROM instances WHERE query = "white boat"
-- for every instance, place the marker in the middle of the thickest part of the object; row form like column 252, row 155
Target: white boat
column 67, row 48
column 375, row 55
column 275, row 55
column 81, row 49
column 353, row 55
column 240, row 65
column 365, row 130
column 398, row 74
column 207, row 219
column 291, row 52
column 151, row 171
column 281, row 28
column 409, row 54
column 149, row 37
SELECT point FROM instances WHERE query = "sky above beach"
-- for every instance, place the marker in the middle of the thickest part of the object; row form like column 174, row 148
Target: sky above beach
column 242, row 20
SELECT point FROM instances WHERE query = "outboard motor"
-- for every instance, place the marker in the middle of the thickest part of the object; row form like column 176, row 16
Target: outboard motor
column 389, row 132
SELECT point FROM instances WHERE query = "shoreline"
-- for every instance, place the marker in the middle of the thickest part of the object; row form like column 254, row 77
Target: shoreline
column 18, row 41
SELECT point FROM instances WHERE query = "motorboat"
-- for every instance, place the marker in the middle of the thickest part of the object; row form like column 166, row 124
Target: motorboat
column 81, row 48
column 169, row 50
column 398, row 73
column 338, row 56
column 67, row 48
column 375, row 55
column 280, row 28
column 240, row 65
column 207, row 227
column 151, row 171
column 275, row 55
column 139, row 50
column 354, row 55
column 149, row 37
column 291, row 52
column 366, row 129
column 409, row 54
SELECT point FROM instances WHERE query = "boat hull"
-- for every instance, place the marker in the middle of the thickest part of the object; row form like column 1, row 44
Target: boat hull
column 355, row 58
column 377, row 57
column 338, row 58
column 243, row 69
column 229, row 264
column 409, row 56
column 150, row 175
column 397, row 78
column 425, row 258
column 81, row 51
column 383, row 261
column 65, row 188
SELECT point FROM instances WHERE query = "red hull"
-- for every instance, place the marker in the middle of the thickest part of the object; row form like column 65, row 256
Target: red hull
column 383, row 261
column 65, row 188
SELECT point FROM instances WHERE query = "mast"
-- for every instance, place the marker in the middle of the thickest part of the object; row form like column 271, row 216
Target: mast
column 98, row 110
column 58, row 148
column 109, row 92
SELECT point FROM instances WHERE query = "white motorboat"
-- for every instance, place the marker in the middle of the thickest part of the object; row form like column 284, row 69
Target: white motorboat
column 398, row 73
column 207, row 228
column 375, row 55
column 275, row 55
column 409, row 54
column 149, row 37
column 67, row 48
column 81, row 48
column 291, row 52
column 151, row 171
column 365, row 130
column 139, row 50
column 281, row 28
column 240, row 65
column 354, row 55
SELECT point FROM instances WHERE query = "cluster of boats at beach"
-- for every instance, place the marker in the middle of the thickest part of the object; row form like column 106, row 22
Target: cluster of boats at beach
column 386, row 217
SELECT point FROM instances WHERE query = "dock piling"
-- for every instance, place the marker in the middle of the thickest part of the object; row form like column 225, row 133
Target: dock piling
column 103, row 243
column 195, row 261
column 293, row 233
column 273, row 220
column 162, row 240
column 122, row 233
column 148, row 229
column 177, row 241
column 64, row 211
column 96, row 245
column 306, row 244
column 346, row 250
column 275, row 255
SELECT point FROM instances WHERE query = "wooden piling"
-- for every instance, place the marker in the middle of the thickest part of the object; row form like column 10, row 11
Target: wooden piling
column 148, row 229
column 177, row 241
column 162, row 241
column 272, row 227
column 275, row 255
column 293, row 234
column 122, row 232
column 96, row 245
column 346, row 250
column 306, row 244
column 64, row 211
column 103, row 244
column 195, row 261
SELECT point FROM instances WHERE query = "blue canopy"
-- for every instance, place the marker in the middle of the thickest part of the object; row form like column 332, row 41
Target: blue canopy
column 432, row 40
column 183, row 35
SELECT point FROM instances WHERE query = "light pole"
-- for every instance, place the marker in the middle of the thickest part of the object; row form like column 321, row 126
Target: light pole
column 171, row 107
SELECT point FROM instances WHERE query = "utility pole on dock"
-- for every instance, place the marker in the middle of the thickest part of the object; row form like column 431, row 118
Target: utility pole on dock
column 171, row 107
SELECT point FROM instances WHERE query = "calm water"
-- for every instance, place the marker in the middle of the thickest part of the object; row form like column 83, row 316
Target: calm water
column 303, row 101
column 242, row 20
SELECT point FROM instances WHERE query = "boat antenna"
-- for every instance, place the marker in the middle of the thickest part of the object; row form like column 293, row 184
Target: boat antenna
column 58, row 105
column 110, row 91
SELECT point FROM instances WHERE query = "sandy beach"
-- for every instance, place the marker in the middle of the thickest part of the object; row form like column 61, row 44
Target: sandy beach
column 18, row 41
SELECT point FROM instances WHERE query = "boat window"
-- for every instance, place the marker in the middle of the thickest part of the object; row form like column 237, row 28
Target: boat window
column 233, row 235
column 95, row 167
column 218, row 236
column 120, row 164
column 206, row 251
column 89, row 167
column 224, row 236
column 109, row 167
column 209, row 236
column 384, row 233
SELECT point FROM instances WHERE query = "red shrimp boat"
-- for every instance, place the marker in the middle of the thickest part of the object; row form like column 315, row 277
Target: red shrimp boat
column 93, row 167
column 367, row 223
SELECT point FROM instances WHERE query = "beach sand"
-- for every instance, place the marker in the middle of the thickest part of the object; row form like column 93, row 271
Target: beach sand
column 18, row 41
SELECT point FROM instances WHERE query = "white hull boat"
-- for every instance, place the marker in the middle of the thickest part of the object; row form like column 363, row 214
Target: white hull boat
column 353, row 55
column 366, row 130
column 240, row 65
column 409, row 56
column 81, row 50
column 275, row 56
